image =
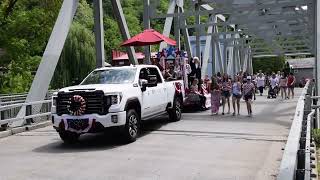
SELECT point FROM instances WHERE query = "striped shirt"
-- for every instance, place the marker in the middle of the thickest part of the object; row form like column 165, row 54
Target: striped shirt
column 248, row 88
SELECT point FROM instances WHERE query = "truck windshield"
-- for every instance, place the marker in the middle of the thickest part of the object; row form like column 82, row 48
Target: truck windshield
column 110, row 76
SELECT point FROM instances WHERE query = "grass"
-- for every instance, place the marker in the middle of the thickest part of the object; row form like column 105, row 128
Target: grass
column 318, row 159
column 316, row 136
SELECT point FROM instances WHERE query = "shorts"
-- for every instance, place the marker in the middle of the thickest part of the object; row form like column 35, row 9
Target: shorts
column 226, row 94
column 238, row 96
column 247, row 97
column 291, row 86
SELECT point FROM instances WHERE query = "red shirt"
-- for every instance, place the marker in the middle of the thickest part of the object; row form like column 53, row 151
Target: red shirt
column 290, row 80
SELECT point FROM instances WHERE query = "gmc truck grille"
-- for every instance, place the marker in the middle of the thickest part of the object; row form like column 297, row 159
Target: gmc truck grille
column 95, row 102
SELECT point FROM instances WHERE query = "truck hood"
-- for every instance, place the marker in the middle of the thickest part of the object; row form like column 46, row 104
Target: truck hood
column 106, row 88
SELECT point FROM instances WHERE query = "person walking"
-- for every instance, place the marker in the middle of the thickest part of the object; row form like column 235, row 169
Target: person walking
column 283, row 86
column 273, row 91
column 261, row 83
column 215, row 96
column 236, row 95
column 219, row 78
column 278, row 77
column 290, row 84
column 248, row 91
column 226, row 88
column 203, row 91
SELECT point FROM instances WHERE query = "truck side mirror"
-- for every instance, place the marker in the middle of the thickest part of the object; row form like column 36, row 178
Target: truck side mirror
column 143, row 83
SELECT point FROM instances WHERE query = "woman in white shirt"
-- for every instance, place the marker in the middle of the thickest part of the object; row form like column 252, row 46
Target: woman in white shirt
column 260, row 83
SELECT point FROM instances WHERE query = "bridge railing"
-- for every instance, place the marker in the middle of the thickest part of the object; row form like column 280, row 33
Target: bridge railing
column 297, row 162
column 35, row 112
column 7, row 99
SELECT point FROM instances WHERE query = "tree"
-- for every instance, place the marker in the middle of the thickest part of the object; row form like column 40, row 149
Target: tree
column 25, row 26
column 268, row 64
column 78, row 55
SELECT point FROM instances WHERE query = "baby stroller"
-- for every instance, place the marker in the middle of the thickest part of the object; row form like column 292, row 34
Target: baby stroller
column 272, row 93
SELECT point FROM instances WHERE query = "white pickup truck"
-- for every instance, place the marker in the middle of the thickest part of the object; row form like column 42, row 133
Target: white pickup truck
column 118, row 97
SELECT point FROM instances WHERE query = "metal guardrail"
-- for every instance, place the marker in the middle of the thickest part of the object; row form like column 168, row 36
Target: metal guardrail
column 35, row 112
column 10, row 105
column 7, row 99
column 296, row 160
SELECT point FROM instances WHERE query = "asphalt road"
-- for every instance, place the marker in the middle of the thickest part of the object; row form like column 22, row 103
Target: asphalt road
column 199, row 147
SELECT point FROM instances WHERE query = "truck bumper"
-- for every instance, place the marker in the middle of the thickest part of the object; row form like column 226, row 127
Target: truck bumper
column 94, row 122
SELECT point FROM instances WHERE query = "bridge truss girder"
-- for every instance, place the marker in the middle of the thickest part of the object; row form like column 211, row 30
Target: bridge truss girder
column 50, row 58
column 284, row 26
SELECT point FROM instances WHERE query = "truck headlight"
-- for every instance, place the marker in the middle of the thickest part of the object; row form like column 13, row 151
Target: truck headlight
column 54, row 101
column 115, row 98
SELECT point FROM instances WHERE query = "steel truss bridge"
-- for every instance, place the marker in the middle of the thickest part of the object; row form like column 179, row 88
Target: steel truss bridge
column 235, row 31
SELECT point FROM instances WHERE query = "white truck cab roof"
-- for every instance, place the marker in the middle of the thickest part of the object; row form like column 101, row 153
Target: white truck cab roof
column 140, row 66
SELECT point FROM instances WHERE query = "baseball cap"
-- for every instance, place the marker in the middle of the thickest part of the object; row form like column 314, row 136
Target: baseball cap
column 248, row 77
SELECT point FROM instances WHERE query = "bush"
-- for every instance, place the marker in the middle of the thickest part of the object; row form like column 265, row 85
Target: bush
column 268, row 64
column 316, row 136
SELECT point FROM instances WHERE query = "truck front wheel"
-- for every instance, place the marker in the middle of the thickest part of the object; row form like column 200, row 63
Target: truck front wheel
column 175, row 112
column 69, row 137
column 132, row 126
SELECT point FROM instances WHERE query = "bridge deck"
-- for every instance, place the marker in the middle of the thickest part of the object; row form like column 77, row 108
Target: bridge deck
column 199, row 147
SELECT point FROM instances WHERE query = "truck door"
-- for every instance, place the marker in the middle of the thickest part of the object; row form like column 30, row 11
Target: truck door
column 158, row 93
column 146, row 98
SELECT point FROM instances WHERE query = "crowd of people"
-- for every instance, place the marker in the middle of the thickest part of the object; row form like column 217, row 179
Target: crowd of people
column 226, row 90
column 223, row 88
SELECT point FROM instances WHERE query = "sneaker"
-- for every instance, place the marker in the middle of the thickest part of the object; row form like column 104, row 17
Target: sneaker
column 223, row 113
column 233, row 114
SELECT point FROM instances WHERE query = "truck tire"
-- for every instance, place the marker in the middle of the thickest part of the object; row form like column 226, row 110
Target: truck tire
column 132, row 126
column 69, row 137
column 175, row 111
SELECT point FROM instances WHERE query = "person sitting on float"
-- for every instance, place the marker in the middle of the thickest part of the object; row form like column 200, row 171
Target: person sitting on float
column 156, row 63
column 177, row 67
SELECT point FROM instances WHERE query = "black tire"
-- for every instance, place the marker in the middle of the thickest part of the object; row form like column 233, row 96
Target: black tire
column 69, row 137
column 132, row 126
column 176, row 111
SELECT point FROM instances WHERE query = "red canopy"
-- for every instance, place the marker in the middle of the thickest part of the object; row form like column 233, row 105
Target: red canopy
column 148, row 37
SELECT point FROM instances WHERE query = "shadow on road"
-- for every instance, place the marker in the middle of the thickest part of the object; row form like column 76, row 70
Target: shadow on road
column 98, row 142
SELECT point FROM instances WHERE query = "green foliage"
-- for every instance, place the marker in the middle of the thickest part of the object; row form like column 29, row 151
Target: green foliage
column 77, row 58
column 25, row 27
column 133, row 11
column 78, row 55
column 316, row 136
column 269, row 64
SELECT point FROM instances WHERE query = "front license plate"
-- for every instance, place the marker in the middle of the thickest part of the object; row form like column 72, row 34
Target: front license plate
column 78, row 124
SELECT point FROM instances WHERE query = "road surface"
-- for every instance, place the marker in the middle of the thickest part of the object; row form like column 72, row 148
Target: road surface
column 199, row 147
